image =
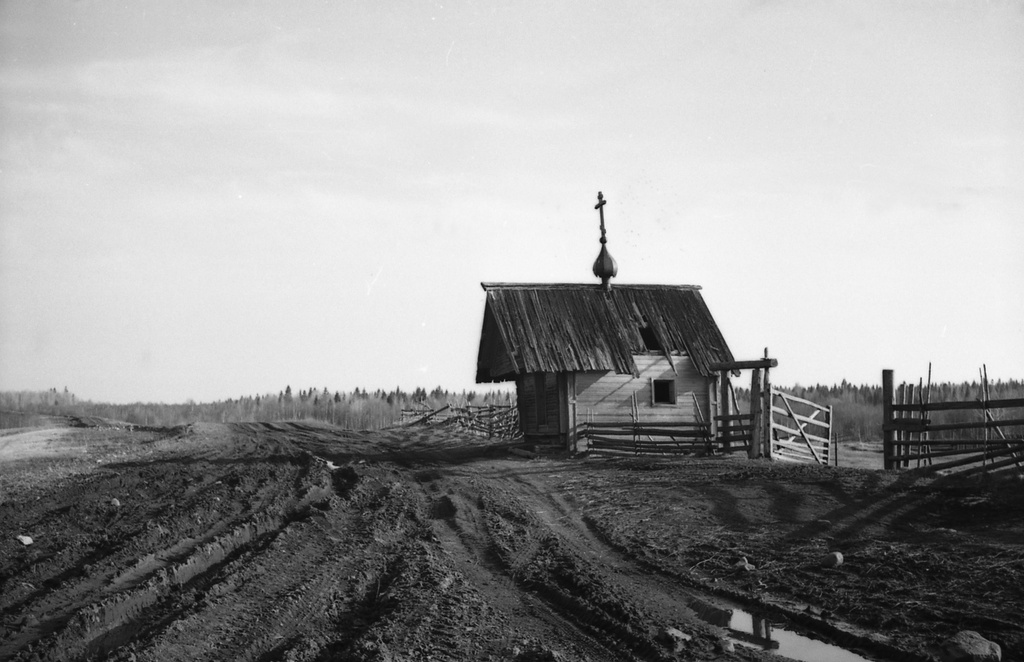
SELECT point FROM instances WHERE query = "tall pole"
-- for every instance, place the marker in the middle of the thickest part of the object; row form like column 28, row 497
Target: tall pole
column 725, row 406
column 756, row 427
column 766, row 408
column 888, row 431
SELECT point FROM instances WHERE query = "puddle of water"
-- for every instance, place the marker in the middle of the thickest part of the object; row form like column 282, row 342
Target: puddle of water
column 749, row 629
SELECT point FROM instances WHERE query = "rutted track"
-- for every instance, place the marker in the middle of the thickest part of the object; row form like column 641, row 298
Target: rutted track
column 300, row 542
column 295, row 541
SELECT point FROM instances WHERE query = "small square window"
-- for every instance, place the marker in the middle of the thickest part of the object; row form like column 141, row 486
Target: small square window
column 664, row 391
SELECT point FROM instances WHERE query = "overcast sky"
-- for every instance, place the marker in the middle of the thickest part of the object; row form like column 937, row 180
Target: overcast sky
column 210, row 199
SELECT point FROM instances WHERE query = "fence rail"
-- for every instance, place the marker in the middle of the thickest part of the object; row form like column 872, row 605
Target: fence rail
column 735, row 432
column 799, row 431
column 500, row 421
column 913, row 430
column 657, row 438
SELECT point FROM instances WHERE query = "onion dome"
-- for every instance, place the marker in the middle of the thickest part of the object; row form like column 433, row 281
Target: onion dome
column 605, row 267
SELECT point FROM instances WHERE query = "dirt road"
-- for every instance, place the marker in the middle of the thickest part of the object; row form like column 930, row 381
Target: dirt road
column 304, row 542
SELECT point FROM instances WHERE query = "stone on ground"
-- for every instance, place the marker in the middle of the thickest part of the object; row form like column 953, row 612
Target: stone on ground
column 967, row 646
column 744, row 565
column 833, row 560
column 673, row 638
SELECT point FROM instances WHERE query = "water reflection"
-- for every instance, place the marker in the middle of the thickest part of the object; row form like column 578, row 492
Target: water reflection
column 756, row 630
column 750, row 629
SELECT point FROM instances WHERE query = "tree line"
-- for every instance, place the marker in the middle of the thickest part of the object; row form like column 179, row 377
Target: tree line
column 357, row 409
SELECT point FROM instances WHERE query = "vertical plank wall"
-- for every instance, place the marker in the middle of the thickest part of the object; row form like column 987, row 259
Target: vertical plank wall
column 604, row 397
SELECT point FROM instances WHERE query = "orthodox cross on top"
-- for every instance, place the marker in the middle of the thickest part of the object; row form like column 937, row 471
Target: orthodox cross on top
column 601, row 202
column 604, row 267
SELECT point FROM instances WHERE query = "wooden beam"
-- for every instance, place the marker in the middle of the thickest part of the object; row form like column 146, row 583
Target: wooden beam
column 756, row 442
column 974, row 452
column 431, row 414
column 628, row 425
column 642, row 430
column 625, row 445
column 948, row 406
column 991, row 466
column 922, row 425
column 744, row 365
column 793, row 446
column 796, row 433
column 793, row 398
column 888, row 433
column 805, row 419
column 833, row 443
column 724, row 406
column 963, row 441
column 784, row 456
column 977, row 457
column 766, row 412
column 733, row 434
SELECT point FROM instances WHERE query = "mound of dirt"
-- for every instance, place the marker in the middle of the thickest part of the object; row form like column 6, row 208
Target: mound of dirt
column 300, row 541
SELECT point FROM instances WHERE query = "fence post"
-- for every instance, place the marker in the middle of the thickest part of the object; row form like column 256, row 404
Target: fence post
column 756, row 397
column 724, row 407
column 833, row 441
column 766, row 410
column 888, row 431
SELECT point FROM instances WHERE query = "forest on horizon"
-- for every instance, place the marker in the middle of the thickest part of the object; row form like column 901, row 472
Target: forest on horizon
column 857, row 409
column 358, row 409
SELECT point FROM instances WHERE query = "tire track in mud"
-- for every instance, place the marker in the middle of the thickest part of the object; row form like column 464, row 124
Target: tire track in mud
column 247, row 607
column 534, row 553
column 273, row 588
column 525, row 619
column 663, row 592
column 360, row 576
column 119, row 584
column 269, row 542
column 409, row 596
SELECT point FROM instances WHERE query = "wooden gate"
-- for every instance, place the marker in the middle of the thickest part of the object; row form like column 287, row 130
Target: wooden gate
column 733, row 430
column 801, row 430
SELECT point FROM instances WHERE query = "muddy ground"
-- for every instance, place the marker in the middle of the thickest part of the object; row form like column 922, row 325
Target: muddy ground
column 297, row 541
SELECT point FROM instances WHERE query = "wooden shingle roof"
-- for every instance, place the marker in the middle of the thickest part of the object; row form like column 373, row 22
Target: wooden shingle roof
column 572, row 328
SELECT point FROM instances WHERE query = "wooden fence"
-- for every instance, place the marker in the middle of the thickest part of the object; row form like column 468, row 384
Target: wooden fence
column 501, row 421
column 919, row 431
column 656, row 438
column 734, row 432
column 778, row 425
column 801, row 430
